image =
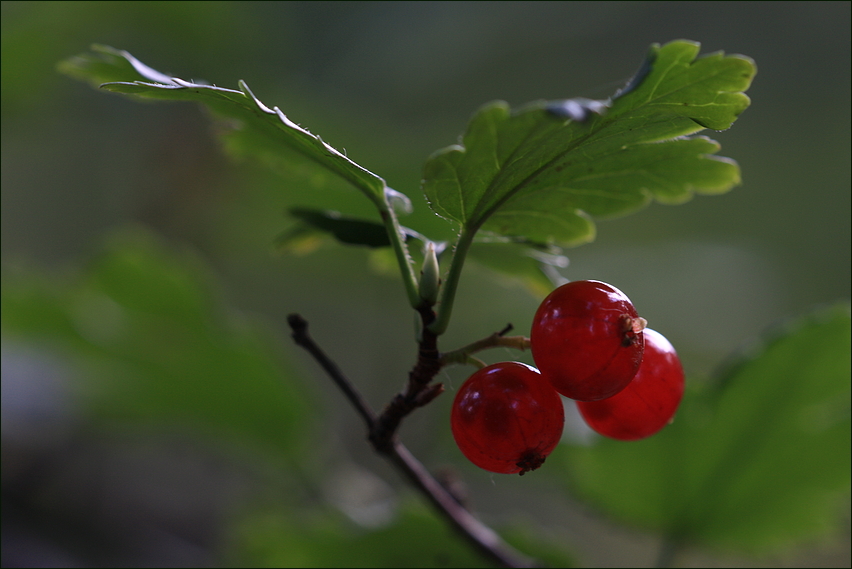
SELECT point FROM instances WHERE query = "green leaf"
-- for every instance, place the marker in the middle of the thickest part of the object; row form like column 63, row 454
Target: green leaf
column 345, row 229
column 265, row 128
column 106, row 64
column 315, row 224
column 759, row 461
column 522, row 263
column 150, row 343
column 542, row 171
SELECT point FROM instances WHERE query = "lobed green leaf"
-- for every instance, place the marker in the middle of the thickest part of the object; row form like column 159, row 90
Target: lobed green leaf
column 119, row 72
column 541, row 172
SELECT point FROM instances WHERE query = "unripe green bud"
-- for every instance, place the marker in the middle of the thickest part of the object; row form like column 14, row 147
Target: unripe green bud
column 430, row 279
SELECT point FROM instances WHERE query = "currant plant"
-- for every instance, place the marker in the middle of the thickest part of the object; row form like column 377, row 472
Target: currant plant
column 534, row 176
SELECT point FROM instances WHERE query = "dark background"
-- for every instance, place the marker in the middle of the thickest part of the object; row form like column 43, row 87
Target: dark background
column 392, row 82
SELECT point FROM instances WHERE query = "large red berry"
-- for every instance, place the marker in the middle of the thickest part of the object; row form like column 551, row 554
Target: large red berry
column 648, row 403
column 587, row 340
column 507, row 418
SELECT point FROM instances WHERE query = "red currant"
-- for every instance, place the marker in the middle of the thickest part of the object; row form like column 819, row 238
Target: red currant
column 648, row 403
column 507, row 418
column 587, row 340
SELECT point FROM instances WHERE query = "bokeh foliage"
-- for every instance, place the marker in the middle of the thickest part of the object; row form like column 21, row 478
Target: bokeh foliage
column 756, row 460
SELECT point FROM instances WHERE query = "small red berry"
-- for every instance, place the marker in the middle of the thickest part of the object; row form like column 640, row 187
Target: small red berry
column 587, row 339
column 648, row 403
column 507, row 418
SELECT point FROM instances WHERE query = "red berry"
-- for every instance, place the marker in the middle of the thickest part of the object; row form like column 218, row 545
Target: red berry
column 587, row 340
column 648, row 403
column 507, row 418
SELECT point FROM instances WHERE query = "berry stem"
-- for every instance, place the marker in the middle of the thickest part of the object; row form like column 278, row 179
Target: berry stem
column 474, row 361
column 463, row 355
column 480, row 536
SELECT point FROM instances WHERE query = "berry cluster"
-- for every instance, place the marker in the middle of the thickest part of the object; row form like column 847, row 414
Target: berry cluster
column 590, row 345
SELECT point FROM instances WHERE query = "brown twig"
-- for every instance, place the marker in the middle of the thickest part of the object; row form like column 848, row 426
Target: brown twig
column 418, row 390
column 483, row 538
column 300, row 335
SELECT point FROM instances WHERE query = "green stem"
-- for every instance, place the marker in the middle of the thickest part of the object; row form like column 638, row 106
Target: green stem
column 400, row 249
column 449, row 287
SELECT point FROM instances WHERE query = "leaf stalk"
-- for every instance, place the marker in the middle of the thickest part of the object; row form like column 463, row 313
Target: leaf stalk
column 450, row 286
column 400, row 249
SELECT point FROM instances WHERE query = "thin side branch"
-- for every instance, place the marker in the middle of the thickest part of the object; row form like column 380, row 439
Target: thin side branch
column 300, row 335
column 464, row 355
column 483, row 538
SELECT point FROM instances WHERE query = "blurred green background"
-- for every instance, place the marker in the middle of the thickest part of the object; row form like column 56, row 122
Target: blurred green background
column 390, row 83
